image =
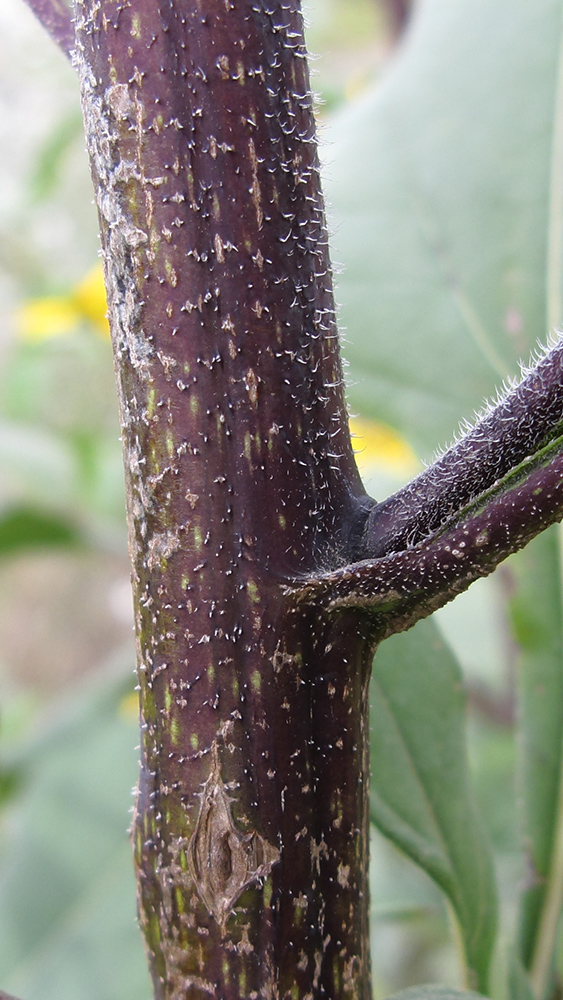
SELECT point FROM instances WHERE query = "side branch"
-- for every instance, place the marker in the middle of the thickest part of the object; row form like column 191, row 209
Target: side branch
column 401, row 588
column 56, row 17
column 525, row 420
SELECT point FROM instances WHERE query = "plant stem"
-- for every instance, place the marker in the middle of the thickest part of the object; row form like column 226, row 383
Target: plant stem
column 56, row 17
column 398, row 12
column 252, row 814
column 401, row 588
column 524, row 420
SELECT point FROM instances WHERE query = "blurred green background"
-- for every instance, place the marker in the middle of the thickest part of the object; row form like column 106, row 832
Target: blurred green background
column 441, row 143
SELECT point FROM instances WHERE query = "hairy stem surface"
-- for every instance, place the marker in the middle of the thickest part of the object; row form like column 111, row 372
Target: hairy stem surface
column 251, row 822
column 522, row 422
column 403, row 587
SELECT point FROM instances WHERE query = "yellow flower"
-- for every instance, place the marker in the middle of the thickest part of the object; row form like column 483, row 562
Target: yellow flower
column 53, row 315
column 90, row 300
column 377, row 445
column 46, row 317
column 128, row 708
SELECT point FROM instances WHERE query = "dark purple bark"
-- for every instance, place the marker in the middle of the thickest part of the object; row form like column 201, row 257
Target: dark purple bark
column 251, row 823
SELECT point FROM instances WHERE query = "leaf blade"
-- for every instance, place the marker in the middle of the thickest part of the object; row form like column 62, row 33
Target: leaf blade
column 439, row 182
column 421, row 795
column 537, row 618
column 67, row 921
column 435, row 992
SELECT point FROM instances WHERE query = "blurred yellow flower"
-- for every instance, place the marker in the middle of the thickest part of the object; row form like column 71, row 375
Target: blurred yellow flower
column 128, row 707
column 89, row 298
column 53, row 315
column 46, row 317
column 376, row 444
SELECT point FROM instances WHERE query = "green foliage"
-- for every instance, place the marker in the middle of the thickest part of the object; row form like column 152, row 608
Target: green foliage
column 538, row 625
column 27, row 528
column 444, row 210
column 421, row 795
column 446, row 183
column 67, row 920
column 433, row 993
column 59, row 433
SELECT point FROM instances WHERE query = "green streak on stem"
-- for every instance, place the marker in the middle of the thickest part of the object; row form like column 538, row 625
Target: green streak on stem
column 542, row 959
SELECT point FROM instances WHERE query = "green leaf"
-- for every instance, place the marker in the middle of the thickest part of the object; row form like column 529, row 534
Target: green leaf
column 421, row 796
column 24, row 527
column 67, row 914
column 446, row 183
column 443, row 209
column 434, row 993
column 518, row 982
column 537, row 617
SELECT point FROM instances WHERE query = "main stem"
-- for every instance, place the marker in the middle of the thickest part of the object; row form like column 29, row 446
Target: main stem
column 251, row 822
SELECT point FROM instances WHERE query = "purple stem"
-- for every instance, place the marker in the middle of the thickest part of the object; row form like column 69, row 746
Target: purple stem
column 526, row 419
column 56, row 17
column 402, row 587
column 398, row 12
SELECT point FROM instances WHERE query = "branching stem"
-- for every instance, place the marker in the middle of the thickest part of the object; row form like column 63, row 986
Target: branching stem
column 400, row 588
column 56, row 17
column 526, row 418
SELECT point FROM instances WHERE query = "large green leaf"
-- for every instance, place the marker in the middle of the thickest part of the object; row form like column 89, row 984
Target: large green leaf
column 67, row 914
column 431, row 992
column 537, row 615
column 444, row 212
column 446, row 185
column 25, row 528
column 519, row 986
column 421, row 796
